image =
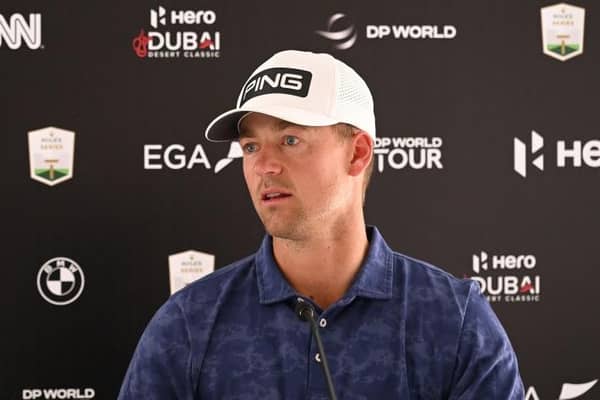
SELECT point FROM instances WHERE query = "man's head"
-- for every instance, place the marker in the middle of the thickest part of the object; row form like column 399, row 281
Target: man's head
column 307, row 126
column 303, row 179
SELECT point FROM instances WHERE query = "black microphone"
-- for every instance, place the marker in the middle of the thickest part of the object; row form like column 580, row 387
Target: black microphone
column 306, row 312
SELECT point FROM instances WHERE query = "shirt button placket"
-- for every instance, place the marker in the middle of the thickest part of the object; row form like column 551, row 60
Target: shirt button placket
column 322, row 324
column 316, row 382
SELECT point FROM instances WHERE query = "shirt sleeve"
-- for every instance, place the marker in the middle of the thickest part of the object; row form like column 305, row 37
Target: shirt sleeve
column 486, row 365
column 160, row 367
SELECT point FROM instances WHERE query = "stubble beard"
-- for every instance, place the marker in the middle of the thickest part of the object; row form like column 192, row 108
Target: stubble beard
column 294, row 223
column 284, row 224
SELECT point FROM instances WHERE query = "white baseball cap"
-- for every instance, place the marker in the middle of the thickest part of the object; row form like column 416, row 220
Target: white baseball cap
column 305, row 88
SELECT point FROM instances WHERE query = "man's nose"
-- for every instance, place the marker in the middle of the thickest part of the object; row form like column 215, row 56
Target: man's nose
column 268, row 161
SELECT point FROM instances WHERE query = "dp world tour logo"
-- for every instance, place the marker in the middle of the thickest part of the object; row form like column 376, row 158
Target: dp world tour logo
column 562, row 31
column 343, row 38
column 60, row 281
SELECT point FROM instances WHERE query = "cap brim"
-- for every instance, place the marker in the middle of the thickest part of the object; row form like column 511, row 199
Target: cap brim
column 225, row 127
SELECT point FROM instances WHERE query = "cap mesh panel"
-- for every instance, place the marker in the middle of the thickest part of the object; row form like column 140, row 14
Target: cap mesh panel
column 352, row 89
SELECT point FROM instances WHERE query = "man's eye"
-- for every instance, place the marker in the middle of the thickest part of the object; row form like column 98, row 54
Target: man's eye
column 249, row 148
column 291, row 140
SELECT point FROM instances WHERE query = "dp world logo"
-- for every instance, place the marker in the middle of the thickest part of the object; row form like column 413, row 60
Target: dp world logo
column 520, row 154
column 343, row 38
column 60, row 281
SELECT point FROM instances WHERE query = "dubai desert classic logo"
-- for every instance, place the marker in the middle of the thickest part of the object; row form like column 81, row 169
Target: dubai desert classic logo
column 166, row 40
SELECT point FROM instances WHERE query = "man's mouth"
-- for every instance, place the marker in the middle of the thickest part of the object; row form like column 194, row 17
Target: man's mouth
column 274, row 196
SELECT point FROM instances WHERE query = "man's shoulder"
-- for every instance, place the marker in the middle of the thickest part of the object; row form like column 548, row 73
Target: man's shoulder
column 417, row 266
column 425, row 281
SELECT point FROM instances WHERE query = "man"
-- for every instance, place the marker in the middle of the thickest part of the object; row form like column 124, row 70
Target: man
column 392, row 327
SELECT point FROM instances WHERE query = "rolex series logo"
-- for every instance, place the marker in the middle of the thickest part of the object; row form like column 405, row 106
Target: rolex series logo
column 51, row 155
column 188, row 266
column 562, row 31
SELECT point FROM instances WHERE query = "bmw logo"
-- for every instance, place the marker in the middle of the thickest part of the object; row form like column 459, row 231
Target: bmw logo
column 60, row 281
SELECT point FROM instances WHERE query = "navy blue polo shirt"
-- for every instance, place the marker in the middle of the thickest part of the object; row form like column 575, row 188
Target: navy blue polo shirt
column 403, row 330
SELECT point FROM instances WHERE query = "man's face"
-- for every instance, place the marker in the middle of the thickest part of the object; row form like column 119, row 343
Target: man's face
column 296, row 175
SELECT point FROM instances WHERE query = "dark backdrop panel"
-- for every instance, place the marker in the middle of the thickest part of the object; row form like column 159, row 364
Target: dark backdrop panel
column 120, row 222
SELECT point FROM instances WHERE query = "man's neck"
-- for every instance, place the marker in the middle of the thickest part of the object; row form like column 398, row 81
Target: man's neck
column 324, row 266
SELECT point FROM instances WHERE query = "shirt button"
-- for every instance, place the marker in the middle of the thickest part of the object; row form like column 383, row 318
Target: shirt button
column 318, row 357
column 323, row 322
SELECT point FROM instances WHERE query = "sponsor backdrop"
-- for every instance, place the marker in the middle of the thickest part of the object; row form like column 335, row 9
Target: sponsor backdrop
column 486, row 165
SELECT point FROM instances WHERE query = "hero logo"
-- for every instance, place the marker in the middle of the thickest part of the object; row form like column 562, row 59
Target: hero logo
column 13, row 32
column 567, row 392
column 480, row 262
column 186, row 44
column 181, row 17
column 291, row 81
column 87, row 393
column 508, row 288
column 157, row 17
column 411, row 152
column 520, row 151
column 574, row 154
column 174, row 157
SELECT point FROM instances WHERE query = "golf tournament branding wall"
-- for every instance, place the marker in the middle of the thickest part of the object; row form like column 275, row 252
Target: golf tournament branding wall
column 486, row 165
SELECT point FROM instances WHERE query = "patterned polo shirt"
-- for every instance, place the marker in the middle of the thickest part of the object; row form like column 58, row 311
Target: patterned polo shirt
column 403, row 330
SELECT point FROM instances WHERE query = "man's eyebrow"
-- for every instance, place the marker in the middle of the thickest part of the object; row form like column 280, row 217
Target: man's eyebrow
column 281, row 125
column 244, row 132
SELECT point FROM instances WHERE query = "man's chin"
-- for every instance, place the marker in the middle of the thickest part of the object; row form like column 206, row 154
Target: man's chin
column 282, row 230
column 284, row 225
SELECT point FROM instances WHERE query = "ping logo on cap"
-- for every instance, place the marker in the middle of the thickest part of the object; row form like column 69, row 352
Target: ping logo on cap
column 277, row 80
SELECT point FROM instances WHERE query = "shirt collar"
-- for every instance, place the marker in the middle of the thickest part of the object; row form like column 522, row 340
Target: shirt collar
column 374, row 279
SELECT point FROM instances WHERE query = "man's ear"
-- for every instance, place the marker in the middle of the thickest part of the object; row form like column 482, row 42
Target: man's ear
column 362, row 151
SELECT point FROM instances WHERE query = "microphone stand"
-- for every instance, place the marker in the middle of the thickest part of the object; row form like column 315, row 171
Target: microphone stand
column 306, row 313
